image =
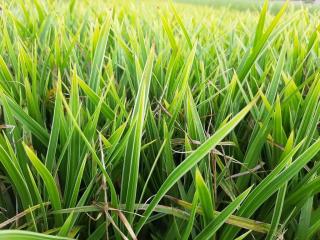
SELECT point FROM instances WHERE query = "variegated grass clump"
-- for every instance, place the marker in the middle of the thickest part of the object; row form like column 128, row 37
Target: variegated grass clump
column 158, row 121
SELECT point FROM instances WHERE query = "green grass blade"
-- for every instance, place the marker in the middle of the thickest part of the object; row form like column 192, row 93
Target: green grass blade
column 19, row 234
column 48, row 180
column 216, row 223
column 204, row 197
column 132, row 156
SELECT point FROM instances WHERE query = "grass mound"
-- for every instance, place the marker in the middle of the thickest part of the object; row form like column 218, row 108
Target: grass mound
column 158, row 121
